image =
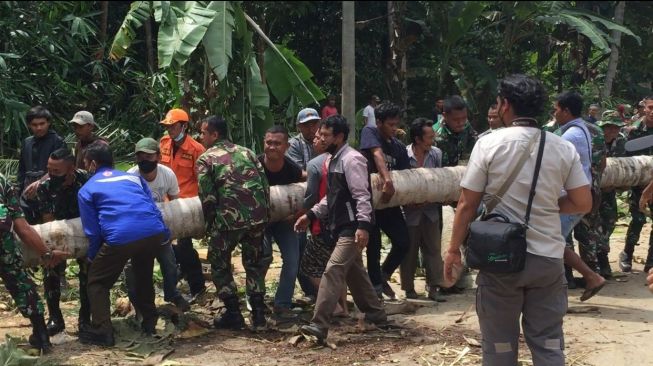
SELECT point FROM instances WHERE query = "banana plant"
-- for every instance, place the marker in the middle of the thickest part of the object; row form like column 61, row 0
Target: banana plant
column 218, row 35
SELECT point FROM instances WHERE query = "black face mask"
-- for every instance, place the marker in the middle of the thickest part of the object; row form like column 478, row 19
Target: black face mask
column 57, row 181
column 146, row 166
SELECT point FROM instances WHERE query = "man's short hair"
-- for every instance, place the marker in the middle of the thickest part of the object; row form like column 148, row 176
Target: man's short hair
column 338, row 124
column 217, row 124
column 63, row 154
column 493, row 105
column 417, row 128
column 572, row 101
column 100, row 153
column 454, row 103
column 375, row 98
column 386, row 110
column 278, row 129
column 38, row 112
column 648, row 97
column 525, row 94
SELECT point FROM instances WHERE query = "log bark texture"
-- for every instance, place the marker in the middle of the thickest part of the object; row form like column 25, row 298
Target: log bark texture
column 184, row 216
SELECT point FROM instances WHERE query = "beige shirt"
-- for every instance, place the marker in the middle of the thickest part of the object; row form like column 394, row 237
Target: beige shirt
column 494, row 157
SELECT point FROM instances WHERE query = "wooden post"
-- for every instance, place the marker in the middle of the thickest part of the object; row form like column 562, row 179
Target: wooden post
column 349, row 68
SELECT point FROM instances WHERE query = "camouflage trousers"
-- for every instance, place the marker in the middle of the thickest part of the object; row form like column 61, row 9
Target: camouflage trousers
column 52, row 286
column 637, row 221
column 589, row 234
column 254, row 259
column 608, row 216
column 16, row 279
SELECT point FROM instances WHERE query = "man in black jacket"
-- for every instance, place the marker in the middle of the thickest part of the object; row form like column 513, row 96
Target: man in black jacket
column 35, row 152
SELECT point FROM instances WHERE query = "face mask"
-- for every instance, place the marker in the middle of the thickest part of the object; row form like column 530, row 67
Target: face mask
column 181, row 135
column 146, row 166
column 57, row 181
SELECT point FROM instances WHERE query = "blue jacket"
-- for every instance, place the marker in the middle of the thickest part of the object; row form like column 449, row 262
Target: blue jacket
column 116, row 208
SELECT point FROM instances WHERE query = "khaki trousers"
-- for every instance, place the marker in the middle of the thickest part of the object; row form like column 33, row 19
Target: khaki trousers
column 425, row 237
column 345, row 267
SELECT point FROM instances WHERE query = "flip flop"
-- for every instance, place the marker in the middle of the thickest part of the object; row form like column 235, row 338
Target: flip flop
column 587, row 294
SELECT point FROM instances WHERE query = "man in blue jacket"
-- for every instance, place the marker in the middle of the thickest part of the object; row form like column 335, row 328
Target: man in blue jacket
column 121, row 222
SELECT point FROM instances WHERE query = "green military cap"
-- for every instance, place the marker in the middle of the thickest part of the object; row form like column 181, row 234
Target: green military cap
column 610, row 117
column 147, row 145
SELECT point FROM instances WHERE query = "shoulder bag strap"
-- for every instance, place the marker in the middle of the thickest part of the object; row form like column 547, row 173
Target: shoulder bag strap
column 496, row 198
column 538, row 164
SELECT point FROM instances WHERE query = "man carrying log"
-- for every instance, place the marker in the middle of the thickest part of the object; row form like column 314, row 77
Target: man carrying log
column 638, row 218
column 348, row 207
column 56, row 199
column 15, row 277
column 235, row 198
column 121, row 222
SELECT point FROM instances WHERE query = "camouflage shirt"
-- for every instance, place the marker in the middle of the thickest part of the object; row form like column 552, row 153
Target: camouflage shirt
column 617, row 148
column 233, row 188
column 9, row 211
column 62, row 201
column 641, row 131
column 454, row 146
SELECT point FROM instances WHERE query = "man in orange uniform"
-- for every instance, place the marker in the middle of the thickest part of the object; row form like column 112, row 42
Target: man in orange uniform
column 179, row 152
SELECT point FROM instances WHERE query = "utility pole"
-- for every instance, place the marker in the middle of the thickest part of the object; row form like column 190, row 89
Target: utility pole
column 349, row 68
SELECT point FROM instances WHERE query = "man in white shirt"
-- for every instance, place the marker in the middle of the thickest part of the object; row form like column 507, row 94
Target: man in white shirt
column 163, row 184
column 368, row 112
column 538, row 293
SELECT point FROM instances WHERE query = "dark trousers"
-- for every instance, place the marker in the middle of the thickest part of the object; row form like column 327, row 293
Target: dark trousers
column 391, row 221
column 52, row 286
column 105, row 270
column 190, row 265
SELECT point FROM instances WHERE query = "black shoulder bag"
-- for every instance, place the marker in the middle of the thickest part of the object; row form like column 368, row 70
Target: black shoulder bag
column 494, row 244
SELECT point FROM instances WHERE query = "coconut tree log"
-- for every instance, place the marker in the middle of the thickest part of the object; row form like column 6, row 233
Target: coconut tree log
column 184, row 216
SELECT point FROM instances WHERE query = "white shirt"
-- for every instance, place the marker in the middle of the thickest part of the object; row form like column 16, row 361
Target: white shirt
column 164, row 185
column 493, row 158
column 368, row 113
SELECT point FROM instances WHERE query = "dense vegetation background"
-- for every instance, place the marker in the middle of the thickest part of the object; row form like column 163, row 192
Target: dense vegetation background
column 259, row 62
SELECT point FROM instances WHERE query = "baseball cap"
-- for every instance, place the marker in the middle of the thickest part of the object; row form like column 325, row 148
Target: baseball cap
column 610, row 117
column 175, row 115
column 306, row 115
column 83, row 118
column 147, row 145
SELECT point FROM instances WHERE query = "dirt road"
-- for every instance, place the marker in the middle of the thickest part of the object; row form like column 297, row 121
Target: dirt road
column 612, row 329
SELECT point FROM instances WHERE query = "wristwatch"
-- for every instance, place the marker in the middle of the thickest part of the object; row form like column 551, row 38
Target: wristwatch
column 47, row 255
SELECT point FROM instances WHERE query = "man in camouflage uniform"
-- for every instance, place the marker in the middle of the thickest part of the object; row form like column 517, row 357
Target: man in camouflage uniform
column 235, row 198
column 638, row 220
column 615, row 143
column 589, row 231
column 16, row 280
column 56, row 199
column 454, row 135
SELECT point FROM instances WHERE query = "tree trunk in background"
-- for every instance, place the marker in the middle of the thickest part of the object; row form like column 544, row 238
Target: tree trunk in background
column 260, row 50
column 184, row 216
column 149, row 46
column 102, row 37
column 614, row 55
column 348, row 102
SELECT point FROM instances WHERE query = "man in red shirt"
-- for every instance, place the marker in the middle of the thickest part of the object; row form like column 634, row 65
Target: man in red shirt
column 179, row 152
column 329, row 109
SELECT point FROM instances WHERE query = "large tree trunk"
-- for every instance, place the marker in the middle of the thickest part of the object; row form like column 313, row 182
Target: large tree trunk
column 348, row 102
column 184, row 216
column 614, row 55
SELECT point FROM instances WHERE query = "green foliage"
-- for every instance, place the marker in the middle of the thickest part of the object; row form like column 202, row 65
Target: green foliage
column 11, row 355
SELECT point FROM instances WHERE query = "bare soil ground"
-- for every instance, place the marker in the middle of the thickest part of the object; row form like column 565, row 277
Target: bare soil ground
column 611, row 329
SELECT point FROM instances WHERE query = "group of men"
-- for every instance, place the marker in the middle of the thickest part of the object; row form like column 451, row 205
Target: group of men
column 321, row 245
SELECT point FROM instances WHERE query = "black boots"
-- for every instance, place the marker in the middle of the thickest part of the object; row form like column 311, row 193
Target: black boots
column 39, row 337
column 625, row 261
column 91, row 335
column 258, row 321
column 604, row 265
column 55, row 318
column 230, row 318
